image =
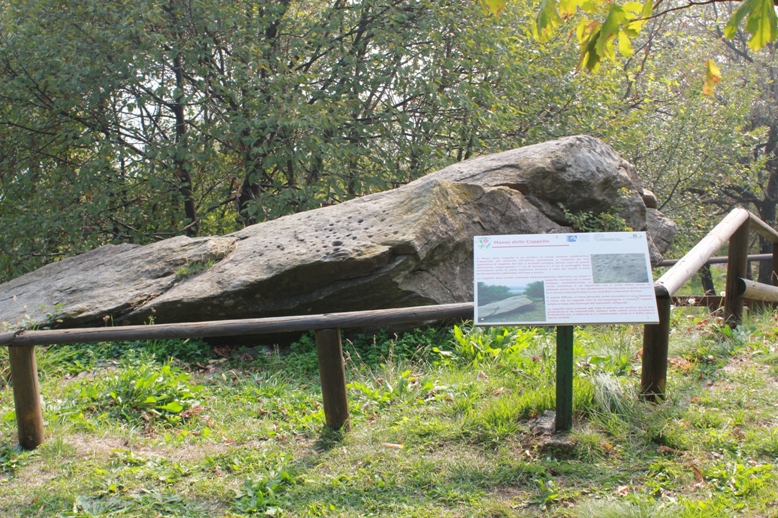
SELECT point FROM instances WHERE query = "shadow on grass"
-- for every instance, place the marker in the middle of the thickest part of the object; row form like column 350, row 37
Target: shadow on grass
column 328, row 439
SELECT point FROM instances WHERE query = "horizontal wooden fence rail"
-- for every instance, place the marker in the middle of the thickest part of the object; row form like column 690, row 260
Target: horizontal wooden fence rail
column 21, row 344
column 758, row 291
column 251, row 326
column 734, row 229
column 718, row 260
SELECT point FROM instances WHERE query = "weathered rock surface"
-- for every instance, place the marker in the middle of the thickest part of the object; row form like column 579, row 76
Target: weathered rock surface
column 408, row 246
column 501, row 307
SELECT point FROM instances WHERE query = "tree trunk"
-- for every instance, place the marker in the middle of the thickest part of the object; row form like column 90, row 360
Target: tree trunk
column 706, row 277
column 180, row 163
column 767, row 207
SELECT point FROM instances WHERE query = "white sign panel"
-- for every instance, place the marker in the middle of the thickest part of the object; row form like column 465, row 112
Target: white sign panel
column 564, row 279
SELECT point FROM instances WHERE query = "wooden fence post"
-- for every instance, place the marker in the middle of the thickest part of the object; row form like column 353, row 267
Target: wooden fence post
column 564, row 378
column 332, row 373
column 737, row 265
column 656, row 338
column 27, row 401
column 774, row 275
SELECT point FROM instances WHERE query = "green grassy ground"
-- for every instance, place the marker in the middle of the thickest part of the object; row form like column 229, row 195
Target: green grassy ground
column 442, row 426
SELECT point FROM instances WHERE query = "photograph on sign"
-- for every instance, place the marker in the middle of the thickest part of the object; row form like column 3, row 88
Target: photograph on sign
column 563, row 279
column 519, row 300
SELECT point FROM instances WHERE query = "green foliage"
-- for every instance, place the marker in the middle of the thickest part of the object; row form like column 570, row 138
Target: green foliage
column 477, row 345
column 601, row 24
column 761, row 22
column 139, row 391
column 370, row 350
column 193, row 268
column 77, row 358
column 535, row 290
column 264, row 494
column 132, row 122
column 588, row 221
column 488, row 293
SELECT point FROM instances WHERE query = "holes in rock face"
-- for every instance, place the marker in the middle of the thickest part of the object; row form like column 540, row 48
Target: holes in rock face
column 337, row 243
column 360, row 220
column 353, row 237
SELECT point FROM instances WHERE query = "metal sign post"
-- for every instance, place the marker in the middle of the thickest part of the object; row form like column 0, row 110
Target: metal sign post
column 564, row 378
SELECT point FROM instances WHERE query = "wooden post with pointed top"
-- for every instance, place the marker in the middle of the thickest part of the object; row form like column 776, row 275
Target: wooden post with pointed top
column 27, row 401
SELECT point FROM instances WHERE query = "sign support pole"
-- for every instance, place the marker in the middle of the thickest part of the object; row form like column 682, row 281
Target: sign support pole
column 564, row 378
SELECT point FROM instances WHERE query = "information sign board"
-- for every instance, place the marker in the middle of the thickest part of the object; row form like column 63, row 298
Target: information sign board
column 563, row 279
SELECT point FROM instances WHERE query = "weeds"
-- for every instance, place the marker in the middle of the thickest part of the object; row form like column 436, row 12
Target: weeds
column 141, row 392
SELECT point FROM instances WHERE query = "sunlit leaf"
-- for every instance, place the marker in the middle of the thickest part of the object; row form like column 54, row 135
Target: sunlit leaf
column 761, row 22
column 712, row 76
column 745, row 8
column 625, row 46
column 548, row 20
column 648, row 9
column 494, row 7
column 609, row 29
column 173, row 407
column 568, row 7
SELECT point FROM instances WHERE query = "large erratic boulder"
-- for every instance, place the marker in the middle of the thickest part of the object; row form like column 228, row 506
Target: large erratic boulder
column 405, row 247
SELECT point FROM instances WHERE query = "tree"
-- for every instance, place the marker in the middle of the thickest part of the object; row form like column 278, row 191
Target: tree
column 132, row 122
column 535, row 290
column 488, row 293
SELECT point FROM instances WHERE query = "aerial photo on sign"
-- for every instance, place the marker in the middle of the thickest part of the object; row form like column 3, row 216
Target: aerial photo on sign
column 550, row 279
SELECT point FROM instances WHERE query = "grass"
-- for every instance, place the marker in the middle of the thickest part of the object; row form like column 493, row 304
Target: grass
column 442, row 425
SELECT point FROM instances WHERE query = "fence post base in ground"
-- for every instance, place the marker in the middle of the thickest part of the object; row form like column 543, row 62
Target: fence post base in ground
column 29, row 418
column 564, row 378
column 332, row 373
column 656, row 338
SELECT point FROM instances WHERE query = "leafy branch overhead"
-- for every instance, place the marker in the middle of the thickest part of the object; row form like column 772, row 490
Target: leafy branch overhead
column 604, row 27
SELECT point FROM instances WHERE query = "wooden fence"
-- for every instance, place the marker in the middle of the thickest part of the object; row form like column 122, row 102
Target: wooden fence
column 29, row 418
column 734, row 228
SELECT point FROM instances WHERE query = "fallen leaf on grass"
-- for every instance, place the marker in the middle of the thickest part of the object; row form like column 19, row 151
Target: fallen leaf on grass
column 681, row 363
column 195, row 410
